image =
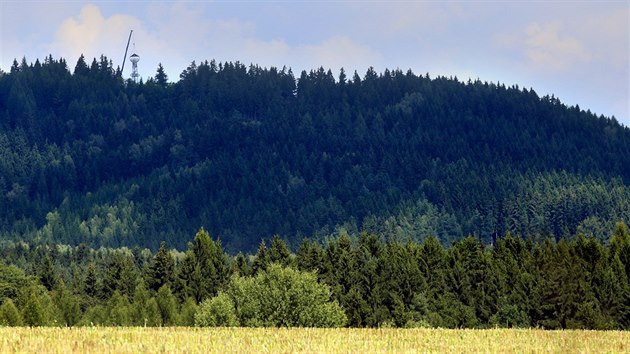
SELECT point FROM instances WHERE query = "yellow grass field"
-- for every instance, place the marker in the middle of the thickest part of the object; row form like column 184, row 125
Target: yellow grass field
column 307, row 340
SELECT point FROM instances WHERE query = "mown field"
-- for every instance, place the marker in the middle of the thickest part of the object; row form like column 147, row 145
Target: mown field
column 307, row 340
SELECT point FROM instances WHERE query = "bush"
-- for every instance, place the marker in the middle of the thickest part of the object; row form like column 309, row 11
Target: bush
column 277, row 297
column 217, row 312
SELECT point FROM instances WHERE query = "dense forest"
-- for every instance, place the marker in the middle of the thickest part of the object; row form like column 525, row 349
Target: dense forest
column 362, row 282
column 87, row 157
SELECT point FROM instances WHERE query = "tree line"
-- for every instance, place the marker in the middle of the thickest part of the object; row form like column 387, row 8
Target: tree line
column 363, row 281
column 87, row 157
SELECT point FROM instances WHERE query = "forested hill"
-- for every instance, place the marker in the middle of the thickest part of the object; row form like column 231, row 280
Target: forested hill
column 250, row 152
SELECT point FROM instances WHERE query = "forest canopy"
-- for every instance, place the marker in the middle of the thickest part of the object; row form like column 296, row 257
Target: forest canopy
column 250, row 152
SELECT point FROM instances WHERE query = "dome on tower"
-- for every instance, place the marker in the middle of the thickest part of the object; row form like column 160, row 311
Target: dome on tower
column 134, row 58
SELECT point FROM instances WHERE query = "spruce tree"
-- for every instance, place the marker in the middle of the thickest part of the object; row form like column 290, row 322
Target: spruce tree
column 161, row 270
column 9, row 314
column 204, row 268
column 167, row 305
column 139, row 313
column 68, row 305
column 262, row 259
column 240, row 265
column 91, row 286
column 160, row 77
column 118, row 310
column 154, row 317
column 47, row 275
column 33, row 313
column 279, row 253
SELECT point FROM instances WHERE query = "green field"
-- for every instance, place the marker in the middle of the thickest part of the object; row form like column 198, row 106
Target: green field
column 307, row 340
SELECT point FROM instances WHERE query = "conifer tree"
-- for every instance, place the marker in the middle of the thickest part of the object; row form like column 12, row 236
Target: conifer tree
column 310, row 257
column 204, row 268
column 279, row 253
column 33, row 313
column 9, row 314
column 160, row 77
column 154, row 317
column 90, row 284
column 68, row 305
column 240, row 266
column 161, row 270
column 262, row 258
column 187, row 313
column 139, row 312
column 47, row 275
column 167, row 305
column 118, row 310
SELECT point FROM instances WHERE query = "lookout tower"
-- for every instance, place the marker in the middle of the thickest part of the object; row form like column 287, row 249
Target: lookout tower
column 134, row 58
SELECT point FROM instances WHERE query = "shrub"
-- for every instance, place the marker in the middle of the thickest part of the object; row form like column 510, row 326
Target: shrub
column 217, row 312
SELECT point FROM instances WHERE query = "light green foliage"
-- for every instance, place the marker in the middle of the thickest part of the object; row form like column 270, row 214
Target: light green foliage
column 139, row 311
column 95, row 315
column 167, row 305
column 12, row 279
column 118, row 309
column 154, row 318
column 280, row 297
column 33, row 313
column 188, row 312
column 217, row 312
column 9, row 314
column 68, row 305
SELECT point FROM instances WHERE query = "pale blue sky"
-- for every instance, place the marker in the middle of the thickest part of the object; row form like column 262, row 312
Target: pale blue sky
column 577, row 50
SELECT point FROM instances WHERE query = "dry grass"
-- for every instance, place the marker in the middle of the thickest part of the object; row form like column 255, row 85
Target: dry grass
column 307, row 340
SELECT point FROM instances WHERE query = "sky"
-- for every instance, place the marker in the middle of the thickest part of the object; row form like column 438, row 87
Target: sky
column 576, row 50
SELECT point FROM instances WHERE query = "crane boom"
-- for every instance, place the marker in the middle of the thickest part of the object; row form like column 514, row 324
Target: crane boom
column 126, row 49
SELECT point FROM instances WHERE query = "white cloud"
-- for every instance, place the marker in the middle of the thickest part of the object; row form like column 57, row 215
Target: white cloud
column 548, row 50
column 91, row 34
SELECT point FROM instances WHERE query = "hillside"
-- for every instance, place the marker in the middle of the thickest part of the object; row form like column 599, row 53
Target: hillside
column 249, row 152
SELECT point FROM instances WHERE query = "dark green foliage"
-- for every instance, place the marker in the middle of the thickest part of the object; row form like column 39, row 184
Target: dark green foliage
column 160, row 77
column 252, row 152
column 310, row 257
column 161, row 271
column 90, row 284
column 279, row 253
column 240, row 266
column 47, row 275
column 121, row 275
column 204, row 268
column 570, row 283
column 513, row 267
column 262, row 259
